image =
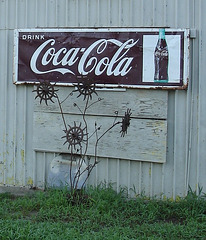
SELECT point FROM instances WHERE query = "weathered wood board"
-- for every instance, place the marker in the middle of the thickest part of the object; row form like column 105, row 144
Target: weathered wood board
column 143, row 103
column 145, row 139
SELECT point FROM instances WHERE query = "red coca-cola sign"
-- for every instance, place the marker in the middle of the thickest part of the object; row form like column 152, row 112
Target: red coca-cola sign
column 111, row 57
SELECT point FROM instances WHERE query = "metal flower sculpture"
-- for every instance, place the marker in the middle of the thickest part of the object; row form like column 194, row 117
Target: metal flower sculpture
column 125, row 122
column 76, row 135
column 45, row 91
column 85, row 87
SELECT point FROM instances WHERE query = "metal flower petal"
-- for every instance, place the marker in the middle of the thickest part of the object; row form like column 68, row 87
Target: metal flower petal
column 45, row 91
column 125, row 122
column 85, row 87
column 75, row 136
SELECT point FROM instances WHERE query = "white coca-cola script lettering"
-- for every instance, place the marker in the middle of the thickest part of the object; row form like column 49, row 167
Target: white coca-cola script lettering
column 63, row 59
column 163, row 53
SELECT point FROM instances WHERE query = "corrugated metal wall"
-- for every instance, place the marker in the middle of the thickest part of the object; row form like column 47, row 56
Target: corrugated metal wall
column 185, row 165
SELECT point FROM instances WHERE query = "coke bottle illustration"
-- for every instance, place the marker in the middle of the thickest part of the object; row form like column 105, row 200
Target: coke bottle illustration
column 161, row 56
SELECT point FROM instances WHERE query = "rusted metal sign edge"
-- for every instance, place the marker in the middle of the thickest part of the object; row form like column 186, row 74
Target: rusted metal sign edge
column 29, row 36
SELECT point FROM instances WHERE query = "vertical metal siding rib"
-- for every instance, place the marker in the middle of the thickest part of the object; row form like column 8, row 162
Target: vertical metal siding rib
column 5, row 98
column 66, row 13
column 98, row 13
column 28, row 133
column 175, row 118
column 4, row 117
column 151, row 182
column 96, row 175
column 87, row 13
column 34, row 168
column 15, row 139
column 44, row 170
column 128, row 177
column 9, row 113
column 163, row 181
column 46, row 13
column 2, row 105
column 118, row 173
column 140, row 178
column 120, row 13
column 31, row 14
column 176, row 10
column 199, row 103
column 108, row 13
column 131, row 23
column 3, row 15
column 175, row 155
column 19, row 133
column 191, row 109
column 107, row 171
column 24, row 135
column 201, row 163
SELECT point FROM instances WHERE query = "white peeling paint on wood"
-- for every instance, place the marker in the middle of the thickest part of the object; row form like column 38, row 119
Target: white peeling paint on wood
column 149, row 104
column 145, row 139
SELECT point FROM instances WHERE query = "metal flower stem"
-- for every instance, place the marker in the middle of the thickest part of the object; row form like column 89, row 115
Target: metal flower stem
column 71, row 156
column 75, row 135
column 62, row 114
column 75, row 181
column 90, row 168
column 78, row 173
column 81, row 160
column 85, row 122
column 70, row 173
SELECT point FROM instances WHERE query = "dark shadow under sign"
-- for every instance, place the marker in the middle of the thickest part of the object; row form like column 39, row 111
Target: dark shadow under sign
column 118, row 57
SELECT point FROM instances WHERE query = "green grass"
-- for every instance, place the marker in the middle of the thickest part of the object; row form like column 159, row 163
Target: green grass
column 104, row 214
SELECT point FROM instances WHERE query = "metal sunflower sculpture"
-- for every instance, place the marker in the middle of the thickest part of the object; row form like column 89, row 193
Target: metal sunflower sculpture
column 75, row 136
column 125, row 122
column 85, row 87
column 45, row 91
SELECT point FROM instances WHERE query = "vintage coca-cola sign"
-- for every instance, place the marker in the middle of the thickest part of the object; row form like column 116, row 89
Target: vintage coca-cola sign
column 111, row 57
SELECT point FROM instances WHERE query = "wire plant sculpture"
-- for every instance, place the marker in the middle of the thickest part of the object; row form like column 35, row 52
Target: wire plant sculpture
column 76, row 135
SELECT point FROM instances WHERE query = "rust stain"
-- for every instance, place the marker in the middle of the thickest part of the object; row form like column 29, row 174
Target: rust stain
column 150, row 171
column 30, row 181
column 22, row 156
column 10, row 180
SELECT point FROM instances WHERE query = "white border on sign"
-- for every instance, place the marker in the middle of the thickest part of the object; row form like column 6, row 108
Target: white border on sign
column 148, row 59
